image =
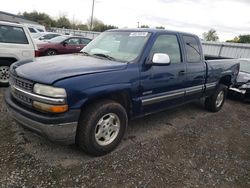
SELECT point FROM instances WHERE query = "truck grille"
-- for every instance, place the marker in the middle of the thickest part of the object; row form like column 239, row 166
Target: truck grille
column 22, row 84
column 21, row 97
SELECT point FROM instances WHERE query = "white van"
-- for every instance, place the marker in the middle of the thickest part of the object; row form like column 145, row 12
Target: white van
column 16, row 44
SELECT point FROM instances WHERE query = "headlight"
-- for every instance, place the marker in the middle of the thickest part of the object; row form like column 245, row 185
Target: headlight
column 47, row 104
column 49, row 91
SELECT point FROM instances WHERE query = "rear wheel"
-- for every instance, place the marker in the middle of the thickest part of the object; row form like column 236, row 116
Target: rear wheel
column 51, row 52
column 215, row 102
column 101, row 127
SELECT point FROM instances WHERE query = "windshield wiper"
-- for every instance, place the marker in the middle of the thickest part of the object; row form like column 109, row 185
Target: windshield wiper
column 105, row 56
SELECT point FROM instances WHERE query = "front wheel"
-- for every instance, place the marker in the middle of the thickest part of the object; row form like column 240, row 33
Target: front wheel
column 101, row 127
column 215, row 102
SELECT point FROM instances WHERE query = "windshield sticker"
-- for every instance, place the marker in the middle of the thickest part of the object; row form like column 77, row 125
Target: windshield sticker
column 138, row 34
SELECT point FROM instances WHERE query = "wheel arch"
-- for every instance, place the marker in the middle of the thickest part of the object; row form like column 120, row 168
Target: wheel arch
column 9, row 60
column 123, row 97
column 226, row 80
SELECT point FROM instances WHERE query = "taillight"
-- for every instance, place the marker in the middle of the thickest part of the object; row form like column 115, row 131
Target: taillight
column 36, row 53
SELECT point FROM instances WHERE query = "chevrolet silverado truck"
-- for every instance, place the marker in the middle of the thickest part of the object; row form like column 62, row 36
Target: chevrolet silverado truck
column 88, row 98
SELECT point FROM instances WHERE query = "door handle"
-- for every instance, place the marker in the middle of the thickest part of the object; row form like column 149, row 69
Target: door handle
column 182, row 72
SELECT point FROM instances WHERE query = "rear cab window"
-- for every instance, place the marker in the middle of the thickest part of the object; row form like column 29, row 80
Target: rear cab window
column 192, row 49
column 12, row 34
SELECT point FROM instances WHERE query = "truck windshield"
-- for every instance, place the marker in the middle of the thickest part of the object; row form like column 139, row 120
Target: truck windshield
column 120, row 46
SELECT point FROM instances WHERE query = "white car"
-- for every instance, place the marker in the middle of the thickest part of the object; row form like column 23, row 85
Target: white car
column 16, row 44
column 44, row 37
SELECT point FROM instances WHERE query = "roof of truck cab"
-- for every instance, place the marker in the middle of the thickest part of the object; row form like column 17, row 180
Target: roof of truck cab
column 151, row 31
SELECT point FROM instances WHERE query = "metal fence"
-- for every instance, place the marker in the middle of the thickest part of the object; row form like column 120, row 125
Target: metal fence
column 87, row 34
column 227, row 50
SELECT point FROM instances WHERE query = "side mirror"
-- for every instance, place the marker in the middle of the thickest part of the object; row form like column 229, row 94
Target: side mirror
column 161, row 58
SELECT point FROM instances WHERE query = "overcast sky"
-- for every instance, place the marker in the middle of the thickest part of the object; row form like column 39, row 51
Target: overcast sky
column 229, row 17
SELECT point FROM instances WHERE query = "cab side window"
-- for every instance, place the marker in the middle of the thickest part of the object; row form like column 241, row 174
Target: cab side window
column 192, row 49
column 73, row 41
column 168, row 44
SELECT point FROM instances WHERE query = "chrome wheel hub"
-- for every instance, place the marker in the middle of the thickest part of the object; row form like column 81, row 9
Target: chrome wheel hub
column 220, row 99
column 107, row 129
column 4, row 74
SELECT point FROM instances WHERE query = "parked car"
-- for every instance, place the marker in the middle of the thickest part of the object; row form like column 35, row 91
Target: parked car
column 62, row 45
column 15, row 44
column 88, row 98
column 242, row 86
column 45, row 36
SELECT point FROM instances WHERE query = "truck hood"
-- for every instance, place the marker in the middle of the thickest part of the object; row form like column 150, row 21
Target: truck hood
column 48, row 70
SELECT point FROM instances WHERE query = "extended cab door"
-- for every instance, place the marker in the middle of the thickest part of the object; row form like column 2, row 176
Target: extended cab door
column 196, row 67
column 163, row 85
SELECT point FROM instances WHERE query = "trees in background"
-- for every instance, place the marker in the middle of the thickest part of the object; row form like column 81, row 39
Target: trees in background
column 160, row 27
column 211, row 35
column 144, row 26
column 240, row 39
column 42, row 18
column 64, row 22
column 99, row 26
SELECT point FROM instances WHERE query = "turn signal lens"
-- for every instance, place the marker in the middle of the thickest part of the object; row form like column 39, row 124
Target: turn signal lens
column 50, row 108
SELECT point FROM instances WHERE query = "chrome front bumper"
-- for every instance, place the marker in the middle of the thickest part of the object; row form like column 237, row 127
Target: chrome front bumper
column 59, row 128
column 64, row 132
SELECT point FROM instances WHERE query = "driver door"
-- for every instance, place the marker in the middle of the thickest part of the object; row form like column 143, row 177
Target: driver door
column 163, row 85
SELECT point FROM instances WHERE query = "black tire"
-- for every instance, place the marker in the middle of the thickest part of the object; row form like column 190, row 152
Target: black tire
column 88, row 123
column 211, row 103
column 4, row 66
column 50, row 52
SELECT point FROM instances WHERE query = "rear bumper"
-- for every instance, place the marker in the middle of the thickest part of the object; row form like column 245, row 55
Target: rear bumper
column 58, row 127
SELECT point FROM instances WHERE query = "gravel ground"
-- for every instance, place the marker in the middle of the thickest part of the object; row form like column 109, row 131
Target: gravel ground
column 182, row 147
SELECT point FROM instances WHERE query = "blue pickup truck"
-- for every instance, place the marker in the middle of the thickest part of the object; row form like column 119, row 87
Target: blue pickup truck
column 88, row 98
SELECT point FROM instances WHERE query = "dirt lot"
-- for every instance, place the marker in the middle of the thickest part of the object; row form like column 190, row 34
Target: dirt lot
column 184, row 147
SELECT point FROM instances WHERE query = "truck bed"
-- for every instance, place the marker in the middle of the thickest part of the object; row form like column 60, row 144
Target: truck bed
column 218, row 67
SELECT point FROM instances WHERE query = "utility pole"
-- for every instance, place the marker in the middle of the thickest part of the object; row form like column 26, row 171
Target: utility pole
column 138, row 24
column 92, row 14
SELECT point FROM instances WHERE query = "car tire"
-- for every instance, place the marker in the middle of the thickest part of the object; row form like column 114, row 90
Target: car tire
column 215, row 102
column 51, row 52
column 4, row 72
column 101, row 127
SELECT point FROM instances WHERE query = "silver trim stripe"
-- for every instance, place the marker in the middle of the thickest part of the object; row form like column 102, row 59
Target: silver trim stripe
column 195, row 89
column 177, row 93
column 39, row 97
column 211, row 85
column 162, row 98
